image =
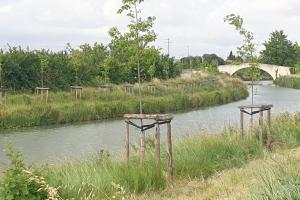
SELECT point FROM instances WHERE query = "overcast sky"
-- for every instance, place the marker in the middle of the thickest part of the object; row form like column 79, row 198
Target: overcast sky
column 51, row 24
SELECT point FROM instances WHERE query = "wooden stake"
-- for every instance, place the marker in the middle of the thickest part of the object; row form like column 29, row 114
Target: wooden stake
column 127, row 143
column 261, row 127
column 242, row 122
column 157, row 144
column 270, row 138
column 142, row 146
column 169, row 151
column 251, row 125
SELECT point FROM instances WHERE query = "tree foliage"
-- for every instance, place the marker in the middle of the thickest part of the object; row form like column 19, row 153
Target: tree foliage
column 91, row 65
column 279, row 50
column 210, row 58
column 248, row 49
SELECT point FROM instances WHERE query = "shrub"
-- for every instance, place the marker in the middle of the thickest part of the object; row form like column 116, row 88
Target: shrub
column 20, row 184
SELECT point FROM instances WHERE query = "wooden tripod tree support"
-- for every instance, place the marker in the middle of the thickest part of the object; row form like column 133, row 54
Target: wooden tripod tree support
column 158, row 120
column 77, row 90
column 108, row 87
column 128, row 88
column 151, row 88
column 257, row 109
column 40, row 91
column 167, row 85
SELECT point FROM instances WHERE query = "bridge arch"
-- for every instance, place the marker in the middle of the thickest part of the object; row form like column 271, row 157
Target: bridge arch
column 274, row 70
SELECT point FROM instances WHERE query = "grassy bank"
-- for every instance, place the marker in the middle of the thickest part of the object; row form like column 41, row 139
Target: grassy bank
column 196, row 159
column 276, row 176
column 175, row 95
column 288, row 81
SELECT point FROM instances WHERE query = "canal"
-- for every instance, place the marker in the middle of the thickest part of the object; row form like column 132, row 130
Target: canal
column 58, row 143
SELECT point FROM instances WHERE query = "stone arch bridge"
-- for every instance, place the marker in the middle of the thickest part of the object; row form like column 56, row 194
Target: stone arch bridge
column 274, row 70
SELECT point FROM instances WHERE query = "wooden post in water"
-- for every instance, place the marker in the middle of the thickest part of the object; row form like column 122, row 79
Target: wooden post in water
column 157, row 144
column 169, row 151
column 127, row 143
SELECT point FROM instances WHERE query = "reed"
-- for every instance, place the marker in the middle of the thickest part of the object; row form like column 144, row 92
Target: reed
column 288, row 81
column 25, row 110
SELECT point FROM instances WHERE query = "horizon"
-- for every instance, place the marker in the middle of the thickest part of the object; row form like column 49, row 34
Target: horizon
column 53, row 24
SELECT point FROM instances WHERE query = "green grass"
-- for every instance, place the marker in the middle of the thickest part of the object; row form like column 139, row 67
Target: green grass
column 278, row 181
column 195, row 157
column 203, row 156
column 25, row 110
column 288, row 81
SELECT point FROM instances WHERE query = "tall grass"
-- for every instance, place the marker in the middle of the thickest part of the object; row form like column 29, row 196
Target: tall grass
column 198, row 156
column 288, row 81
column 195, row 157
column 98, row 178
column 280, row 180
column 181, row 94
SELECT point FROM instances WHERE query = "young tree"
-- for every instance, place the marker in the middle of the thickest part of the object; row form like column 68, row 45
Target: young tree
column 43, row 56
column 1, row 57
column 279, row 50
column 247, row 50
column 129, row 51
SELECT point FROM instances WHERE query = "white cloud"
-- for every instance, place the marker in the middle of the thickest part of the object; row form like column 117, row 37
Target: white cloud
column 197, row 23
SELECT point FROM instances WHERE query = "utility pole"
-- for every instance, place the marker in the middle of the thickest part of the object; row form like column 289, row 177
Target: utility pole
column 190, row 61
column 168, row 46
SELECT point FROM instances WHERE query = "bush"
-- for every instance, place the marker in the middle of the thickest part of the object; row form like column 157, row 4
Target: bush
column 20, row 184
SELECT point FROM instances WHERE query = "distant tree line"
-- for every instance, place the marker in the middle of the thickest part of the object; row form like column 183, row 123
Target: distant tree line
column 278, row 50
column 207, row 61
column 91, row 65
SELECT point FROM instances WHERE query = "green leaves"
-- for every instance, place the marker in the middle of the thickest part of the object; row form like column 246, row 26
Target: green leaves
column 247, row 50
column 16, row 184
column 280, row 51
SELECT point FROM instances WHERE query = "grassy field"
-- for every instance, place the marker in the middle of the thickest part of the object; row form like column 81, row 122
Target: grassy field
column 25, row 110
column 212, row 166
column 288, row 81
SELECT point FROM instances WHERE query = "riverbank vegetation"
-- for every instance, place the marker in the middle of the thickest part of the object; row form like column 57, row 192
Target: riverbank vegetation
column 288, row 81
column 175, row 95
column 198, row 159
